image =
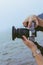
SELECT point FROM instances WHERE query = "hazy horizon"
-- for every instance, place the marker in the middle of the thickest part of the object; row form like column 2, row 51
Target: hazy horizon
column 13, row 12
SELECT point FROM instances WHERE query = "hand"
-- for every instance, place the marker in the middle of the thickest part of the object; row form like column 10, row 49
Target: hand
column 29, row 21
column 29, row 43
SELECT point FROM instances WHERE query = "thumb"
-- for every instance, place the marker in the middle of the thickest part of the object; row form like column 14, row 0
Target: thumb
column 27, row 42
column 24, row 38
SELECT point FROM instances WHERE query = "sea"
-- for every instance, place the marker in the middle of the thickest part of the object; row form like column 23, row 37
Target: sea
column 16, row 52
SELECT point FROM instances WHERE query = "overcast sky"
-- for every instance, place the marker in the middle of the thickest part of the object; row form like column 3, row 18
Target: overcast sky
column 13, row 12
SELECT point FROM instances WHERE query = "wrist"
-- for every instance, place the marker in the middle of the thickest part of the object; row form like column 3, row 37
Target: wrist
column 40, row 22
column 35, row 51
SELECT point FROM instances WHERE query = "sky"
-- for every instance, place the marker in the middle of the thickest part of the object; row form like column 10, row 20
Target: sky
column 14, row 12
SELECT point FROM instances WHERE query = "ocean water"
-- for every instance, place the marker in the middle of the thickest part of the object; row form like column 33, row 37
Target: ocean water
column 16, row 52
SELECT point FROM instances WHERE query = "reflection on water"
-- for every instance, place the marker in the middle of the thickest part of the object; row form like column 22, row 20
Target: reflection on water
column 16, row 53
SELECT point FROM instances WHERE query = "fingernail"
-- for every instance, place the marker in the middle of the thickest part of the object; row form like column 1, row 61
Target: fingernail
column 23, row 37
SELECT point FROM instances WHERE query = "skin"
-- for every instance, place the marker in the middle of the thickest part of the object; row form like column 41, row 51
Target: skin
column 30, row 44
